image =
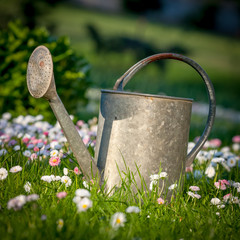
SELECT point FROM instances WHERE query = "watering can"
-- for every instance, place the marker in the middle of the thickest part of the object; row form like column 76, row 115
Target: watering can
column 141, row 133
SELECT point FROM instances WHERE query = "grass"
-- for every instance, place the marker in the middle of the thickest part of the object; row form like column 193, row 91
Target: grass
column 182, row 217
column 218, row 55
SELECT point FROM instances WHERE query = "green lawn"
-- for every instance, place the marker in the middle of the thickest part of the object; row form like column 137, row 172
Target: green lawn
column 218, row 55
column 42, row 200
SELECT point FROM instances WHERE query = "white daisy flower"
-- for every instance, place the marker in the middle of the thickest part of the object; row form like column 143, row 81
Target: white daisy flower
column 54, row 153
column 210, row 171
column 231, row 162
column 3, row 173
column 46, row 178
column 66, row 180
column 15, row 169
column 152, row 184
column 16, row 148
column 173, row 186
column 81, row 192
column 163, row 175
column 27, row 187
column 32, row 197
column 85, row 184
column 3, row 152
column 60, row 224
column 221, row 206
column 17, row 202
column 27, row 153
column 215, row 201
column 117, row 220
column 154, row 177
column 65, row 171
column 84, row 204
column 132, row 209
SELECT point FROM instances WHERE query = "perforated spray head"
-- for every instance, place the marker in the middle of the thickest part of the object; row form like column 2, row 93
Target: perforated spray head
column 40, row 72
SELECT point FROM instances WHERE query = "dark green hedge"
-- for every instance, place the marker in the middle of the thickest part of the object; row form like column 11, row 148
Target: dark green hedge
column 70, row 70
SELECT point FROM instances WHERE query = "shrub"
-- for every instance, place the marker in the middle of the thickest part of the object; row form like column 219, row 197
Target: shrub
column 70, row 70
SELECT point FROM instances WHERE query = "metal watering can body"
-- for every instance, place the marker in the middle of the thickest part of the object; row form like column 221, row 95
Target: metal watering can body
column 142, row 133
column 145, row 134
column 139, row 133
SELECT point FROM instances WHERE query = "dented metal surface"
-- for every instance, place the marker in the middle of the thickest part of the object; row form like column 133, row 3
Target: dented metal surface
column 145, row 131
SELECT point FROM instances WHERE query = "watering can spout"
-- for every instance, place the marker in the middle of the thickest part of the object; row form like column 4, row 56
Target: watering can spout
column 41, row 84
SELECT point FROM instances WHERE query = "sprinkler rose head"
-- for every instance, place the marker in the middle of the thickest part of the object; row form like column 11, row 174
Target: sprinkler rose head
column 40, row 73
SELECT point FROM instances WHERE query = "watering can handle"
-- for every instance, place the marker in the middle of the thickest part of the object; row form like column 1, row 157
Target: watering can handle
column 123, row 80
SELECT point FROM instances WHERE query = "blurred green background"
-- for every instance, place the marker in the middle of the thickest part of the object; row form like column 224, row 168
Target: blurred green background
column 106, row 39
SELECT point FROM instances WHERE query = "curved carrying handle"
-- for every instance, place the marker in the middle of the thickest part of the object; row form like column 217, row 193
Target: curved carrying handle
column 122, row 81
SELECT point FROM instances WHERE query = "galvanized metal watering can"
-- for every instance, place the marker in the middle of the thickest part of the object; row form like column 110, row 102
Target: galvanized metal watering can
column 140, row 132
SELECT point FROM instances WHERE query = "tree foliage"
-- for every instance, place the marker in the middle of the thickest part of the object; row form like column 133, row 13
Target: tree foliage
column 70, row 70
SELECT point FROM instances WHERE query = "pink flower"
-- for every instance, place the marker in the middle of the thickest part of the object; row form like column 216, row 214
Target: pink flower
column 188, row 169
column 215, row 143
column 194, row 188
column 226, row 197
column 54, row 161
column 77, row 171
column 86, row 140
column 61, row 195
column 35, row 149
column 33, row 156
column 160, row 201
column 236, row 139
column 197, row 196
column 45, row 133
column 80, row 123
column 221, row 184
column 25, row 140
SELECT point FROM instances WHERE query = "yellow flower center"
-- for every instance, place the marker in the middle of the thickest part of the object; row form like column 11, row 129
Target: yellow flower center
column 54, row 160
column 84, row 206
column 118, row 221
column 65, row 180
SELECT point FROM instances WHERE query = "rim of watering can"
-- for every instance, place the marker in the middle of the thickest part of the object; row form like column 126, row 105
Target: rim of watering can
column 146, row 95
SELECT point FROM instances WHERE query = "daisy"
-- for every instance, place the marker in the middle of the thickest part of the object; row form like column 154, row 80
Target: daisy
column 27, row 187
column 210, row 171
column 132, row 209
column 160, row 201
column 154, row 177
column 66, row 180
column 194, row 195
column 236, row 139
column 215, row 201
column 81, row 192
column 231, row 162
column 61, row 195
column 54, row 161
column 84, row 204
column 117, row 220
column 65, row 171
column 163, row 175
column 3, row 173
column 173, row 186
column 46, row 179
column 27, row 153
column 54, row 153
column 60, row 224
column 15, row 169
column 32, row 197
column 194, row 188
column 17, row 202
column 77, row 171
column 16, row 148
